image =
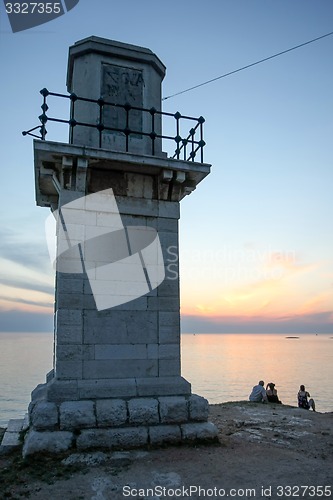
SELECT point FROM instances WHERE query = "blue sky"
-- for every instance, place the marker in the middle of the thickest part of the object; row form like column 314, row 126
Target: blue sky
column 256, row 235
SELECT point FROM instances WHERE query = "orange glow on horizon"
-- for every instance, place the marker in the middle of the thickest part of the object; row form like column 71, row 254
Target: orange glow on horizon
column 285, row 287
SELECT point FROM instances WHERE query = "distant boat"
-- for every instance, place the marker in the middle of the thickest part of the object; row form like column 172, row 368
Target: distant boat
column 292, row 337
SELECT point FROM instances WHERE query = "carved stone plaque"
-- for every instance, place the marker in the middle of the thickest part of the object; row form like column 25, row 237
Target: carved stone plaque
column 121, row 85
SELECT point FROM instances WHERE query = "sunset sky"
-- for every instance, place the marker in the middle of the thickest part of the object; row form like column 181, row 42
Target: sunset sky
column 256, row 236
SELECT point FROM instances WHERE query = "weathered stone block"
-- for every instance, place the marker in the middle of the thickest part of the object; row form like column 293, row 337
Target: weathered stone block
column 169, row 209
column 139, row 186
column 152, row 351
column 104, row 203
column 70, row 300
column 44, row 416
column 10, row 441
column 89, row 302
column 122, row 351
column 99, row 389
column 169, row 351
column 137, row 220
column 86, row 287
column 199, row 431
column 69, row 352
column 139, row 304
column 143, row 411
column 15, row 425
column 198, row 407
column 79, row 216
column 76, row 231
column 68, row 370
column 120, row 327
column 169, row 287
column 162, row 386
column 127, row 437
column 163, row 304
column 161, row 434
column 50, row 376
column 169, row 242
column 169, row 367
column 73, row 197
column 69, row 317
column 66, row 264
column 68, row 334
column 88, row 351
column 169, row 327
column 39, row 392
column 12, row 436
column 137, row 206
column 105, row 223
column 111, row 412
column 103, row 369
column 173, row 409
column 77, row 415
column 75, row 285
column 167, row 224
column 62, row 390
column 47, row 441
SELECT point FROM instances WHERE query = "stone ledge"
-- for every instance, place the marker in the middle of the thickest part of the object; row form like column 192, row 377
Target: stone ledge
column 59, row 391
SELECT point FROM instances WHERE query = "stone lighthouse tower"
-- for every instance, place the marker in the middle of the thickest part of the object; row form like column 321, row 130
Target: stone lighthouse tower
column 114, row 197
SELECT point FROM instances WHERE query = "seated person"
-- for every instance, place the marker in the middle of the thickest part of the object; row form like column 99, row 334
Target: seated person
column 303, row 401
column 271, row 393
column 258, row 394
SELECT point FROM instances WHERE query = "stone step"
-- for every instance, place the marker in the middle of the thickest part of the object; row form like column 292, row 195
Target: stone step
column 11, row 438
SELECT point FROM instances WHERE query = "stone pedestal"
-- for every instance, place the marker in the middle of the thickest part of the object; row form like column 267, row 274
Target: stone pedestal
column 116, row 381
column 124, row 75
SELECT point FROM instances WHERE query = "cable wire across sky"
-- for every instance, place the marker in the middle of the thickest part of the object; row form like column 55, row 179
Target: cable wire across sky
column 248, row 66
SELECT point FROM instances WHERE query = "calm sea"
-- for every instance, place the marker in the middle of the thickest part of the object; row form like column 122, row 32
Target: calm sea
column 221, row 367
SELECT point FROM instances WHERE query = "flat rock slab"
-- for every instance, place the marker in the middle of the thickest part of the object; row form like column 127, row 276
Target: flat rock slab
column 12, row 436
column 232, row 464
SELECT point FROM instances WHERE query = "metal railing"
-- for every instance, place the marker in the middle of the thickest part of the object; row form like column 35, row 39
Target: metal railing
column 187, row 148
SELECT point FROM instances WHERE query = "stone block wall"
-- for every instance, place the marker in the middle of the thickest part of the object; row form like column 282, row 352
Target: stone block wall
column 137, row 339
column 117, row 423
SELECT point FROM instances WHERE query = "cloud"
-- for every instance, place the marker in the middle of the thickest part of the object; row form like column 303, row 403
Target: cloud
column 31, row 254
column 25, row 301
column 26, row 278
column 288, row 261
column 28, row 285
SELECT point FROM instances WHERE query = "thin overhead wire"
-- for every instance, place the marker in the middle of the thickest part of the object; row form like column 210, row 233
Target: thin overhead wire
column 247, row 66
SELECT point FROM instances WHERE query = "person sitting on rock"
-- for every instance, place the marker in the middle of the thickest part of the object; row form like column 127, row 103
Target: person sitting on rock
column 272, row 394
column 303, row 401
column 258, row 394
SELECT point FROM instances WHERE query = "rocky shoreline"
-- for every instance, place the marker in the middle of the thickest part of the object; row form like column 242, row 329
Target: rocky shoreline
column 264, row 451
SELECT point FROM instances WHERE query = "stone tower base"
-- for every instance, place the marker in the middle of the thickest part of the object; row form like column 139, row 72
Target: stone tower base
column 119, row 423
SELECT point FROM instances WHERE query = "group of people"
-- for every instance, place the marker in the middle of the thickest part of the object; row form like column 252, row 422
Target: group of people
column 270, row 395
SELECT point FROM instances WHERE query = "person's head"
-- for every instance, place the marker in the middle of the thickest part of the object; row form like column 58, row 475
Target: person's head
column 271, row 386
column 261, row 382
column 302, row 388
